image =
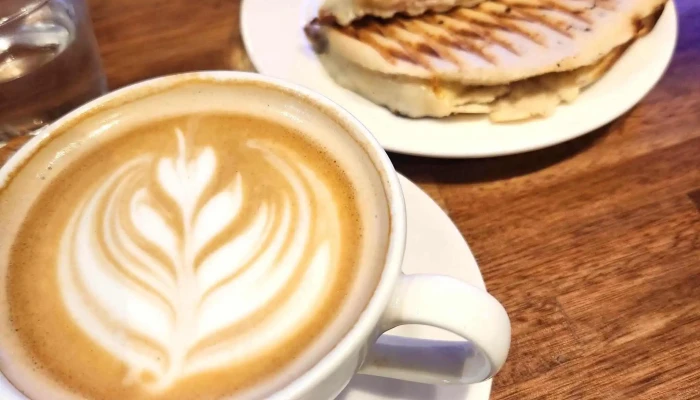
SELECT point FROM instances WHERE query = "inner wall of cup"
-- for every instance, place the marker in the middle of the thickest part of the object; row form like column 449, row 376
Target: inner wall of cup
column 82, row 131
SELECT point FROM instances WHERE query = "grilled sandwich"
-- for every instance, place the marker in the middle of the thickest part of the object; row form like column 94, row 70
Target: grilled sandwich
column 344, row 12
column 511, row 59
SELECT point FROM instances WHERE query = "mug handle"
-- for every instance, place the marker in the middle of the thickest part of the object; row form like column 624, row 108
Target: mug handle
column 450, row 304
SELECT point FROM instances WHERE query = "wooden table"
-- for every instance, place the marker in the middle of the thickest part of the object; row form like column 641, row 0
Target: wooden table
column 593, row 246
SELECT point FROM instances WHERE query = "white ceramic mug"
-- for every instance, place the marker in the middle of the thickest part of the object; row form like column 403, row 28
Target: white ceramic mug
column 399, row 299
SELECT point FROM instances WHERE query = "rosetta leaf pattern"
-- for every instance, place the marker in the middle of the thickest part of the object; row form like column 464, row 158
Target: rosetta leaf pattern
column 160, row 263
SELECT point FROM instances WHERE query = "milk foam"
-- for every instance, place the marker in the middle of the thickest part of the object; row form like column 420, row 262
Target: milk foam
column 172, row 280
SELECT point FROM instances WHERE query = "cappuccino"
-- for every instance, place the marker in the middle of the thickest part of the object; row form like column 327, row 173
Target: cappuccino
column 198, row 241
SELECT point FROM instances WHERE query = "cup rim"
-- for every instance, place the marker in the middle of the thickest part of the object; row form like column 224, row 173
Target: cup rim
column 391, row 270
column 22, row 12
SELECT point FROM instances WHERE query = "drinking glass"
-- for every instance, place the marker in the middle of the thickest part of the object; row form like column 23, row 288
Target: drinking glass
column 49, row 63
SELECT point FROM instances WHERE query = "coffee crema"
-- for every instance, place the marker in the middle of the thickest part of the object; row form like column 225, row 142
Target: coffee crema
column 201, row 256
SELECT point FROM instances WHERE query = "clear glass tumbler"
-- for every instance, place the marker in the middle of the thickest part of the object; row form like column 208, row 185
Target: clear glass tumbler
column 49, row 63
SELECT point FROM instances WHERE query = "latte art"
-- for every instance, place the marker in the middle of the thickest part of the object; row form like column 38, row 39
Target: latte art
column 162, row 267
column 199, row 257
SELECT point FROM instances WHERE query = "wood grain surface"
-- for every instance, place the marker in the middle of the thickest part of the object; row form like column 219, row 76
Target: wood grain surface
column 593, row 246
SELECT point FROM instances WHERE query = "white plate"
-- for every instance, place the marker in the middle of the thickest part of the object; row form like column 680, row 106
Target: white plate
column 435, row 246
column 273, row 35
